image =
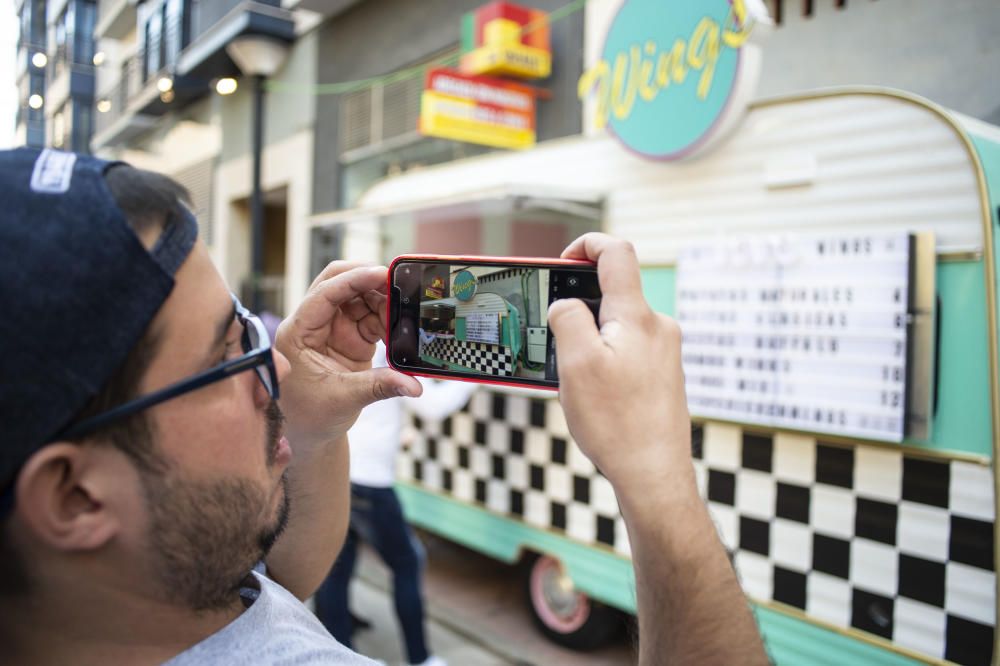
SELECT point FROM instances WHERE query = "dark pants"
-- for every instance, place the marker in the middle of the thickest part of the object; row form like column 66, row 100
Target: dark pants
column 377, row 518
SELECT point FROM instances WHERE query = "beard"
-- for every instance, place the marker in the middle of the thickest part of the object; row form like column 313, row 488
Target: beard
column 205, row 537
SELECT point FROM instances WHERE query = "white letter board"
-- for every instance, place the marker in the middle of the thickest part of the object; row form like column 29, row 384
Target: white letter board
column 799, row 331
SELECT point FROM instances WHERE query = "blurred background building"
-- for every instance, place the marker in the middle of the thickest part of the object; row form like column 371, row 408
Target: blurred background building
column 55, row 73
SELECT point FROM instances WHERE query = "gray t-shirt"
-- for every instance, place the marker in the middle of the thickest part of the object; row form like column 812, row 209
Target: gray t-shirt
column 276, row 629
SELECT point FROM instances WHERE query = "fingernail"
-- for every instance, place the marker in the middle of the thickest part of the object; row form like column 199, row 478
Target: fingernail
column 404, row 392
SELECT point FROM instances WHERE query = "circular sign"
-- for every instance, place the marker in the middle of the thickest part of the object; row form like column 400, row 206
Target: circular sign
column 465, row 286
column 668, row 73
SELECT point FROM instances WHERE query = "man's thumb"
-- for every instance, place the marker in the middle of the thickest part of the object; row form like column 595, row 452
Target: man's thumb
column 364, row 388
column 572, row 323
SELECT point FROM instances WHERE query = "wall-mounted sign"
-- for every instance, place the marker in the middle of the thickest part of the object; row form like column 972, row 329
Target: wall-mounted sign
column 807, row 332
column 675, row 75
column 506, row 40
column 465, row 286
column 477, row 109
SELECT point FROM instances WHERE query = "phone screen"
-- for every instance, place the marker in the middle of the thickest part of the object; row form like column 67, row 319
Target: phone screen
column 481, row 320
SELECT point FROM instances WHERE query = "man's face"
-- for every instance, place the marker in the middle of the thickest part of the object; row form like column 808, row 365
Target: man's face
column 220, row 501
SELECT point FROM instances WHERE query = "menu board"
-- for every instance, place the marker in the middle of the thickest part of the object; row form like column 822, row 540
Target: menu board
column 482, row 327
column 805, row 332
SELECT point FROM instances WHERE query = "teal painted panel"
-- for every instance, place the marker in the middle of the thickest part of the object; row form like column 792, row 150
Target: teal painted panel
column 598, row 573
column 962, row 420
column 793, row 642
column 658, row 287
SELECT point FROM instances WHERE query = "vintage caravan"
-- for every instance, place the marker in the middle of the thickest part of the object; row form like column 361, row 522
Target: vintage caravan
column 832, row 264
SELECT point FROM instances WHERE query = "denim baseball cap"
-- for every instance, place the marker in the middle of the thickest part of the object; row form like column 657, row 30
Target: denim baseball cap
column 77, row 291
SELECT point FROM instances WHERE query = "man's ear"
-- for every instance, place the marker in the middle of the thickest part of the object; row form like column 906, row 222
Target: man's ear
column 63, row 495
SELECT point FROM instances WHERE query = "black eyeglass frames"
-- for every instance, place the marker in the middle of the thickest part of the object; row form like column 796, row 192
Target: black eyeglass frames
column 257, row 355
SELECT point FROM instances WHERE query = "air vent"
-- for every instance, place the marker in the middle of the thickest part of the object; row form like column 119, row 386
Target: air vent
column 356, row 120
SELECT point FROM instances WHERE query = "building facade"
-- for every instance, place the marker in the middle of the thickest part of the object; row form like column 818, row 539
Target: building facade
column 55, row 73
column 160, row 105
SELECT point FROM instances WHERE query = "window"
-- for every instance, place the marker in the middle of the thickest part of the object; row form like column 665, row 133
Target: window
column 83, row 121
column 83, row 32
column 59, row 128
column 173, row 22
column 163, row 36
column 151, row 56
column 374, row 115
column 60, row 39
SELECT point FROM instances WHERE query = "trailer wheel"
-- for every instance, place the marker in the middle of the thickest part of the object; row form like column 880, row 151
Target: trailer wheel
column 564, row 614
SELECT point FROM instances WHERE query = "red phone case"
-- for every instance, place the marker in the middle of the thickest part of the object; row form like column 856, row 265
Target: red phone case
column 544, row 262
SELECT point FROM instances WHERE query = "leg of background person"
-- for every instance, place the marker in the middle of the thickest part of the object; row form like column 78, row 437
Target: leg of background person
column 396, row 544
column 332, row 595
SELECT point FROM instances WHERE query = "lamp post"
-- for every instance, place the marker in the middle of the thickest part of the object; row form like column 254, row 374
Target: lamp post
column 258, row 57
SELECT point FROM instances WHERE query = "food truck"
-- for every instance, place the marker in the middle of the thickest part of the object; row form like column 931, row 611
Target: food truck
column 831, row 261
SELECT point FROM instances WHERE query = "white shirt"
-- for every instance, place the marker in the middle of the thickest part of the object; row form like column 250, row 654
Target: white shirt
column 375, row 438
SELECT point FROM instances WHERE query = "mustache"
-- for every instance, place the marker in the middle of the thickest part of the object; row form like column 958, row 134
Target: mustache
column 275, row 426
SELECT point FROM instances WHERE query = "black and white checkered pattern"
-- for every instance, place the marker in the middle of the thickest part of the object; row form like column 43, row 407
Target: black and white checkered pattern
column 864, row 537
column 513, row 455
column 495, row 360
column 861, row 537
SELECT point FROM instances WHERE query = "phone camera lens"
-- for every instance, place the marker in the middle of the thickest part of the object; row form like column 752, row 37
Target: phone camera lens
column 572, row 281
column 406, row 300
column 406, row 329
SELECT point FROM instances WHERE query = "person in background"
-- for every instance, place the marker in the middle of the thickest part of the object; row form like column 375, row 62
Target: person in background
column 377, row 517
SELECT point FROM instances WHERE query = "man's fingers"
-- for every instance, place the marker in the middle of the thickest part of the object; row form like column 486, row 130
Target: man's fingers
column 363, row 388
column 575, row 330
column 312, row 319
column 617, row 272
column 336, row 268
column 372, row 328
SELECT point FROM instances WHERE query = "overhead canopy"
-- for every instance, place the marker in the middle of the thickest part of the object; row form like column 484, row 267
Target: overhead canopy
column 389, row 203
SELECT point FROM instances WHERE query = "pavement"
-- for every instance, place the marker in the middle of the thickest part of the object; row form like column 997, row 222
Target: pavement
column 477, row 614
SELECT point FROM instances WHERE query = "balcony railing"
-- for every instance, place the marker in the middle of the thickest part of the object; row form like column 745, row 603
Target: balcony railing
column 113, row 103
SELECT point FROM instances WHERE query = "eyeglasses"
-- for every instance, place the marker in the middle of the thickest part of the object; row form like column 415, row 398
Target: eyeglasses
column 257, row 355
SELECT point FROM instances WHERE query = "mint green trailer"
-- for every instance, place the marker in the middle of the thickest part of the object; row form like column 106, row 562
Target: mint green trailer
column 851, row 550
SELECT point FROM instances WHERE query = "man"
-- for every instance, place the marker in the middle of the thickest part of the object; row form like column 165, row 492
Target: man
column 152, row 508
column 377, row 516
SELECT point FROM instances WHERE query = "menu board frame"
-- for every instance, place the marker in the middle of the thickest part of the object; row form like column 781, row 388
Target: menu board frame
column 912, row 418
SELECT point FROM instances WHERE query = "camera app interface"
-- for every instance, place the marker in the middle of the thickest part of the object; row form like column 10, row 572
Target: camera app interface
column 492, row 320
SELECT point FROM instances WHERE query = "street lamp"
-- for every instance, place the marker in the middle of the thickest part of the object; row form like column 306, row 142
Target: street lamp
column 258, row 57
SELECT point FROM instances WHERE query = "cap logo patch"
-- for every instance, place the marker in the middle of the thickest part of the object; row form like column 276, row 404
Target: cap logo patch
column 53, row 172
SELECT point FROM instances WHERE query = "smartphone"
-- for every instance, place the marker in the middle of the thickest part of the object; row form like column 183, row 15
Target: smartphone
column 481, row 319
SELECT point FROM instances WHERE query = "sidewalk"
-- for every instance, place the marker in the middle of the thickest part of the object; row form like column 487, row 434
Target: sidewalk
column 383, row 640
column 474, row 605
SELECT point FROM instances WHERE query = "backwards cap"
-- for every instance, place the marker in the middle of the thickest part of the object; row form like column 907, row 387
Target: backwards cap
column 77, row 291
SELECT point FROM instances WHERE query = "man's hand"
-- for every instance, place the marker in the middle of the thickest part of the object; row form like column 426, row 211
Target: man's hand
column 621, row 385
column 329, row 341
column 622, row 389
